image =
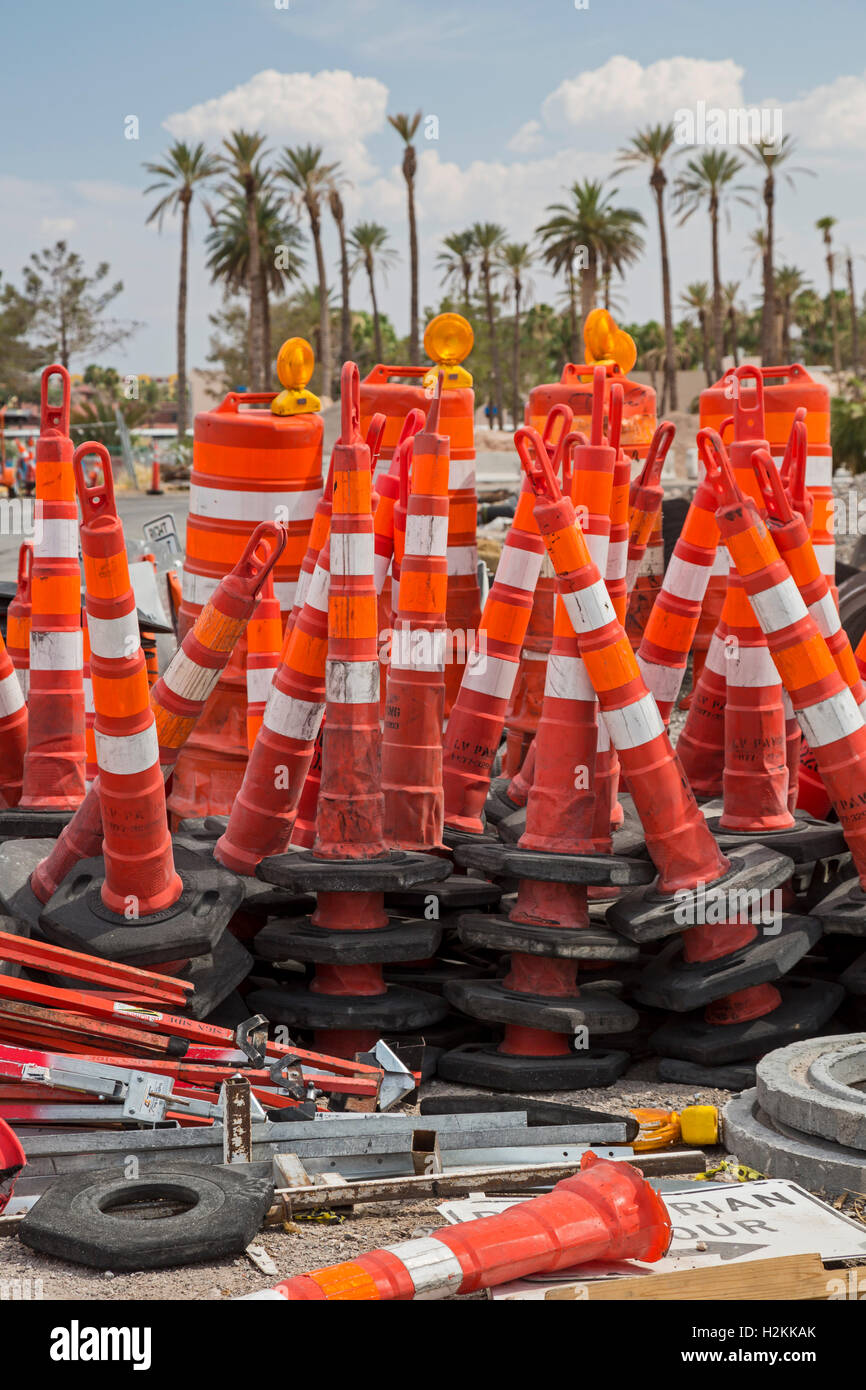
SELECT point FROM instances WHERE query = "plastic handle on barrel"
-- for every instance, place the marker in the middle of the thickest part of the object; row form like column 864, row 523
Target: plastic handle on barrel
column 25, row 570
column 794, row 469
column 97, row 503
column 726, row 427
column 229, row 405
column 748, row 419
column 261, row 553
column 771, row 487
column 350, row 404
column 562, row 412
column 55, row 418
column 536, row 464
column 614, row 427
column 720, row 474
column 412, row 425
column 658, row 451
column 381, row 372
column 794, row 443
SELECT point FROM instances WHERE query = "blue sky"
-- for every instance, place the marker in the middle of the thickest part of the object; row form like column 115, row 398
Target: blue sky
column 528, row 97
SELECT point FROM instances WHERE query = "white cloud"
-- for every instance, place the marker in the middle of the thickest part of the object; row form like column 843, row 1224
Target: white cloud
column 830, row 116
column 527, row 138
column 57, row 228
column 621, row 91
column 335, row 109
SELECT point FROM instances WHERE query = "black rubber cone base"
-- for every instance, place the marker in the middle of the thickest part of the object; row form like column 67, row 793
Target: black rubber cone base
column 843, row 909
column 217, row 975
column 75, row 917
column 453, row 894
column 510, row 861
column 301, row 940
column 854, row 977
column 303, row 872
column 206, row 828
column 806, row 1006
column 650, row 916
column 497, row 933
column 19, row 824
column 598, row 1010
column 512, row 827
column 399, row 1010
column 671, row 982
column 18, row 859
column 737, row 1076
column 499, row 804
column 805, row 841
column 481, row 1065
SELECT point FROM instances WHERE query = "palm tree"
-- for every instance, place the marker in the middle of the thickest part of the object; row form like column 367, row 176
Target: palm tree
column 825, row 225
column 457, row 261
column 732, row 318
column 696, row 299
column 229, row 251
column 369, row 244
column 706, row 180
column 582, row 229
column 335, row 203
column 406, row 127
column 516, row 260
column 489, row 239
column 651, row 147
column 183, row 167
column 769, row 156
column 790, row 281
column 852, row 308
column 242, row 162
column 310, row 179
column 621, row 246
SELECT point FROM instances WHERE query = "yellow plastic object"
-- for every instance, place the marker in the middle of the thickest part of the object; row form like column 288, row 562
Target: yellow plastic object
column 727, row 1166
column 295, row 364
column 448, row 338
column 606, row 342
column 699, row 1124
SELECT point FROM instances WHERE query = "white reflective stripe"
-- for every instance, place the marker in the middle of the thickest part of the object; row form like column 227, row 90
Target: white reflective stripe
column 786, row 705
column 518, row 568
column 11, row 699
column 381, row 566
column 634, row 724
column 819, row 470
column 238, row 504
column 589, row 608
column 88, row 695
column 654, row 560
column 186, row 679
column 418, row 649
column 426, row 536
column 717, row 661
column 58, row 539
column 862, row 709
column 530, row 654
column 302, row 587
column 259, row 683
column 56, row 651
column 686, row 579
column 489, row 675
column 598, row 547
column 722, row 563
column 825, row 554
column 462, row 559
column 198, row 588
column 750, row 667
column 830, row 719
column 24, row 682
column 778, row 606
column 285, row 595
column 631, row 574
column 662, row 681
column 113, row 638
column 352, row 552
column 292, row 718
column 260, row 1297
column 318, row 589
column 603, row 740
column 433, row 1268
column 395, row 593
column 128, row 754
column 352, row 682
column 617, row 559
column 567, row 679
column 826, row 615
column 461, row 474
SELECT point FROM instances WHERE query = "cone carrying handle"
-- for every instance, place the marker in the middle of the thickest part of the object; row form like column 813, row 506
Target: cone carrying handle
column 720, row 474
column 97, row 502
column 375, row 435
column 795, row 445
column 412, row 425
column 614, row 423
column 748, row 419
column 536, row 464
column 55, row 418
column 432, row 423
column 573, row 440
column 562, row 412
column 261, row 553
column 660, row 444
column 771, row 487
column 25, row 570
column 596, row 434
column 350, row 404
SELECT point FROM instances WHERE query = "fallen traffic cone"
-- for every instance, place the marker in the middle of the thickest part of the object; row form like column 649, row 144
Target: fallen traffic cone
column 13, row 731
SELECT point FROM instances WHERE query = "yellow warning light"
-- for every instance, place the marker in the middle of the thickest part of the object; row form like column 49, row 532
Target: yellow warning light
column 606, row 342
column 295, row 363
column 447, row 340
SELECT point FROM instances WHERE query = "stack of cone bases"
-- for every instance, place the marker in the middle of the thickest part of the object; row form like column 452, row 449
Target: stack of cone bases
column 350, row 867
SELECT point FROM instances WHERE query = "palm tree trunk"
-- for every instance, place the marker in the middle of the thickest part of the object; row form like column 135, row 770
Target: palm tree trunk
column 834, row 317
column 588, row 280
column 413, row 275
column 705, row 340
column 265, row 298
column 515, row 358
column 377, row 330
column 256, row 359
column 324, row 315
column 181, row 319
column 345, row 312
column 855, row 326
column 732, row 320
column 670, row 342
column 573, row 334
column 786, row 328
column 494, row 348
column 467, row 286
column 718, row 344
column 768, row 310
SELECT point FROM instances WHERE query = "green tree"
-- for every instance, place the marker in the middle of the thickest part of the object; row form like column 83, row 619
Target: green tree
column 790, row 282
column 177, row 176
column 516, row 260
column 489, row 238
column 582, row 234
column 708, row 179
column 770, row 156
column 825, row 226
column 18, row 359
column 310, row 180
column 406, row 126
column 696, row 299
column 650, row 147
column 457, row 262
column 368, row 242
column 243, row 163
column 335, row 203
column 68, row 304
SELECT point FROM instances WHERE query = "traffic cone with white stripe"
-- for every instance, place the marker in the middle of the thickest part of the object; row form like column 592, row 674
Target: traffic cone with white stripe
column 477, row 717
column 18, row 616
column 53, row 783
column 264, row 644
column 608, row 811
column 548, row 1020
column 349, row 937
column 13, row 731
column 729, row 965
column 91, row 767
column 607, row 1211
